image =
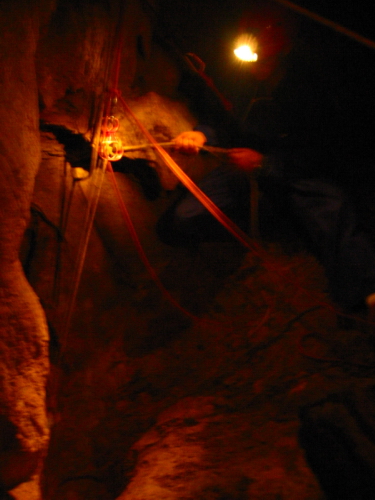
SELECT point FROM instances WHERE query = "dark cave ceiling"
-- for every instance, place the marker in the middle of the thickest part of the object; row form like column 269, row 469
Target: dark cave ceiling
column 190, row 20
column 208, row 27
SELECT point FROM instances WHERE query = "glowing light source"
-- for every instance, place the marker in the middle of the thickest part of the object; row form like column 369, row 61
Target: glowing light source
column 110, row 146
column 245, row 53
column 246, row 46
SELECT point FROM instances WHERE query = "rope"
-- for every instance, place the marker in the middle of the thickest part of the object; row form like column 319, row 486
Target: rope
column 97, row 170
column 95, row 190
column 64, row 216
column 240, row 235
column 98, row 175
column 138, row 245
column 137, row 147
column 152, row 272
column 326, row 22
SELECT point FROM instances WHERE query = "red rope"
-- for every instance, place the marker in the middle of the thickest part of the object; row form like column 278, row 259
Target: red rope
column 151, row 270
column 138, row 245
column 240, row 235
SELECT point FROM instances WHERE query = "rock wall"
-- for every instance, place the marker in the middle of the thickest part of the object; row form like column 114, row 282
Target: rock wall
column 56, row 60
column 59, row 60
column 23, row 330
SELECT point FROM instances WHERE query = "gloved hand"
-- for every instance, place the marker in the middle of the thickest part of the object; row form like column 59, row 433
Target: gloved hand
column 189, row 142
column 245, row 158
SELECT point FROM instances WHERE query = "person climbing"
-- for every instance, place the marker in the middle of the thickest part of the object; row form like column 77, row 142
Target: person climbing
column 294, row 136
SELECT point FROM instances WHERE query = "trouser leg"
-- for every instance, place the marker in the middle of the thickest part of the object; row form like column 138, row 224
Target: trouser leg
column 328, row 220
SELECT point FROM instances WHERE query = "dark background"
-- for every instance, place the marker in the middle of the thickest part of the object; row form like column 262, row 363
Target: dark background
column 208, row 28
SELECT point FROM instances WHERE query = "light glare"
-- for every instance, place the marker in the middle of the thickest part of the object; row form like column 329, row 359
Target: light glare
column 245, row 53
column 246, row 46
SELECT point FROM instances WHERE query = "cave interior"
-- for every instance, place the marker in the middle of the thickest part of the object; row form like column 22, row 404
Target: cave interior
column 132, row 369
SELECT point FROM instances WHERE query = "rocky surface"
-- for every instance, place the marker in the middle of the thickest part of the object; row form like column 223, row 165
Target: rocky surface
column 23, row 329
column 192, row 386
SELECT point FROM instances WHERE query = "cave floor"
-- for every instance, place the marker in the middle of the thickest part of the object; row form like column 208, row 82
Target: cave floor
column 205, row 405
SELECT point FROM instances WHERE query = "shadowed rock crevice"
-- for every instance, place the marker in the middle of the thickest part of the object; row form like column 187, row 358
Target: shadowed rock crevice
column 78, row 152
